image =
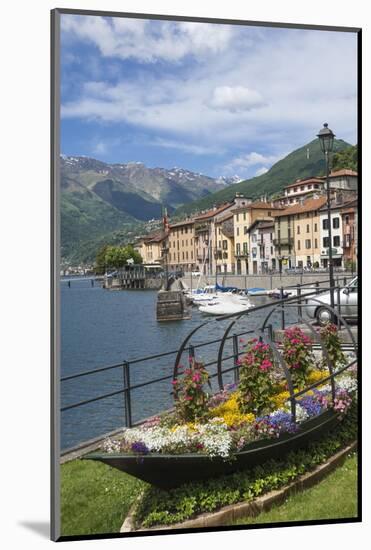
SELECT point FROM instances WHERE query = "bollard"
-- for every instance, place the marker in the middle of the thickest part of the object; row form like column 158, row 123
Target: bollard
column 317, row 287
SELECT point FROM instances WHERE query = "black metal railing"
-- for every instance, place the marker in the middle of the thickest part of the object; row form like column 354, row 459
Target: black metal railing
column 225, row 364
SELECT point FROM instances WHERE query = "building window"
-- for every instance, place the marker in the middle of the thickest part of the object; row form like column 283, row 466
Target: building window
column 186, row 254
column 316, row 186
column 237, row 217
column 238, row 249
column 315, row 243
column 237, row 231
column 346, row 220
column 325, row 242
column 298, row 230
column 191, row 254
column 307, row 227
column 271, row 250
column 269, row 213
column 244, row 216
column 315, row 228
column 271, row 237
column 183, row 255
column 336, row 240
column 245, row 230
column 225, row 245
column 307, row 243
column 325, row 224
column 298, row 245
column 335, row 223
column 253, row 238
column 245, row 248
column 219, row 231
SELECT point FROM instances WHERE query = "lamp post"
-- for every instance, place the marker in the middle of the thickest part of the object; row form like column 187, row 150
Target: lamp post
column 326, row 139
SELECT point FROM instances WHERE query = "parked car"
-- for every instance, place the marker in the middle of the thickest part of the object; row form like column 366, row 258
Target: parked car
column 348, row 304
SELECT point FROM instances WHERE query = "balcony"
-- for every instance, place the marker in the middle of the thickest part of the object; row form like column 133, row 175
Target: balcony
column 242, row 254
column 284, row 241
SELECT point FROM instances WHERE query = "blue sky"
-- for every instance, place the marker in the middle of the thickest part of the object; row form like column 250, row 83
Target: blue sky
column 215, row 99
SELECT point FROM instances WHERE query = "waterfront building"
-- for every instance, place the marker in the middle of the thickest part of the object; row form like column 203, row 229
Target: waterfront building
column 346, row 180
column 206, row 237
column 349, row 223
column 297, row 234
column 224, row 238
column 181, row 246
column 150, row 247
column 302, row 188
column 338, row 202
column 262, row 251
column 243, row 217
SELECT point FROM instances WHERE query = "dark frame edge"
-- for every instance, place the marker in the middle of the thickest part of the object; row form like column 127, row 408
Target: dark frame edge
column 196, row 19
column 55, row 516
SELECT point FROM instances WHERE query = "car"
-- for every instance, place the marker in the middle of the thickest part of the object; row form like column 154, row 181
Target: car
column 348, row 304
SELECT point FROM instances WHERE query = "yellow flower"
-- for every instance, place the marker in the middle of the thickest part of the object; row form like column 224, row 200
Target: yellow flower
column 280, row 399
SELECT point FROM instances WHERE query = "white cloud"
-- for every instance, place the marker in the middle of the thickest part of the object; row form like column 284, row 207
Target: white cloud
column 148, row 41
column 235, row 99
column 261, row 171
column 272, row 92
column 186, row 147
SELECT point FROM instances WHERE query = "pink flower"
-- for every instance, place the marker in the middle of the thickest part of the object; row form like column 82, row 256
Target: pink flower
column 266, row 365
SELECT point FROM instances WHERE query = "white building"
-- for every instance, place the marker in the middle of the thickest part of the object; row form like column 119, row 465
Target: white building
column 262, row 251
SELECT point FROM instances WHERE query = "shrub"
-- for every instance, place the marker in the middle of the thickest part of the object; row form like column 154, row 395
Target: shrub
column 297, row 352
column 330, row 338
column 256, row 383
column 189, row 394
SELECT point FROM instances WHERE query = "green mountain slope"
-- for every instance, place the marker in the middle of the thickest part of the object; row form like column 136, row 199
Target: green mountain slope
column 294, row 166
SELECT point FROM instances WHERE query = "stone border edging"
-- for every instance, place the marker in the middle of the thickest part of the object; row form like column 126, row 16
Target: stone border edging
column 229, row 514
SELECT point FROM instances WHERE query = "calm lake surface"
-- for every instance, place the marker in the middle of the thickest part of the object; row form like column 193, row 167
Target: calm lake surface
column 102, row 328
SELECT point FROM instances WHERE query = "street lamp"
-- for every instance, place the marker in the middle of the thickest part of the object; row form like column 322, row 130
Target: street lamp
column 326, row 139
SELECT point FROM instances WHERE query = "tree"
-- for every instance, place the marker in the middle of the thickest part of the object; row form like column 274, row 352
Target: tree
column 116, row 256
column 348, row 158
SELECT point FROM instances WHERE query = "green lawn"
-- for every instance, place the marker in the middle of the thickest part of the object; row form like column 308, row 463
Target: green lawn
column 334, row 497
column 95, row 498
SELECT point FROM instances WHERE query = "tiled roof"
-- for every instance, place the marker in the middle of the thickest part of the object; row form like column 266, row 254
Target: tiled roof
column 180, row 224
column 307, row 206
column 155, row 237
column 213, row 212
column 256, row 205
column 343, row 172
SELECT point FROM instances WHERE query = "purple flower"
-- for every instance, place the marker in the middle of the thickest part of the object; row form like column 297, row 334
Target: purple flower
column 139, row 447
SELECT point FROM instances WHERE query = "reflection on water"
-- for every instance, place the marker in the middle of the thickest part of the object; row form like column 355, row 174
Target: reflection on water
column 101, row 328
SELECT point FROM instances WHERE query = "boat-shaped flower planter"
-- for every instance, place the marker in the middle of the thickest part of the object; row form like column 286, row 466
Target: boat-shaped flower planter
column 167, row 471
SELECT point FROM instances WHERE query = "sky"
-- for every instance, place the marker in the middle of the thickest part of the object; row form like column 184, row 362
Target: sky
column 216, row 99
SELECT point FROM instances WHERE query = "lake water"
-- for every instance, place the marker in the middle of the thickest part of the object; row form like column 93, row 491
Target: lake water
column 101, row 328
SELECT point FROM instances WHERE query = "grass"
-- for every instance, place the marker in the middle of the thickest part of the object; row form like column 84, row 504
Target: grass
column 95, row 498
column 333, row 498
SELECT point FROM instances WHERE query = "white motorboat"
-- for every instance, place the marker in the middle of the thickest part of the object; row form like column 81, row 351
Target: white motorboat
column 225, row 304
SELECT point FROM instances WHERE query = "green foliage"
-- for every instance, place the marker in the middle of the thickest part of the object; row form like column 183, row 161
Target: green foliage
column 159, row 507
column 256, row 384
column 335, row 497
column 116, row 256
column 289, row 169
column 348, row 158
column 189, row 394
column 330, row 337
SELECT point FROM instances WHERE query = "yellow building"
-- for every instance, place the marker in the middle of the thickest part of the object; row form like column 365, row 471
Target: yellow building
column 243, row 218
column 297, row 234
column 150, row 247
column 181, row 246
column 224, row 238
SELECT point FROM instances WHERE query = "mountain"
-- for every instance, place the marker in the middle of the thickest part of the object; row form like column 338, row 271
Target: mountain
column 301, row 163
column 99, row 198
